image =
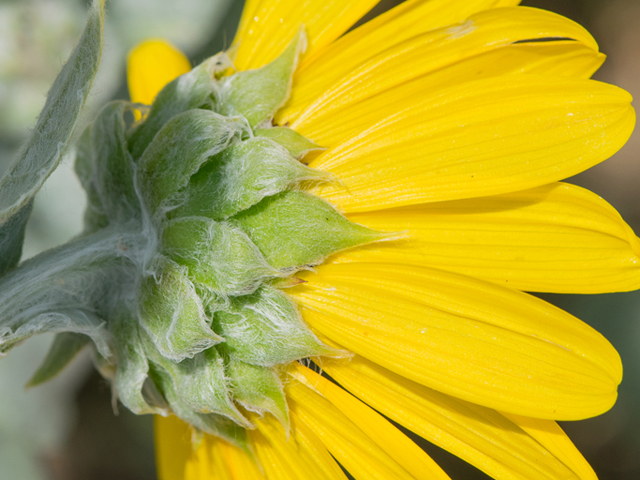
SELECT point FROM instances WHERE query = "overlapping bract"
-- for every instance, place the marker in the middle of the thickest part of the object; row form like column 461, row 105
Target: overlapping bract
column 201, row 327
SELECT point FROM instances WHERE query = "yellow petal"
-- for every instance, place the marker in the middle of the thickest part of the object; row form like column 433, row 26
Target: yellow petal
column 271, row 458
column 395, row 443
column 504, row 447
column 293, row 458
column 556, row 238
column 344, row 119
column 173, row 447
column 350, row 446
column 231, row 462
column 150, row 66
column 330, row 83
column 267, row 26
column 201, row 464
column 410, row 18
column 552, row 437
column 471, row 339
column 492, row 136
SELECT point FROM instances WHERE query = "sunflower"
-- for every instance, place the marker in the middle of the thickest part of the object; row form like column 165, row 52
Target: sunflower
column 443, row 127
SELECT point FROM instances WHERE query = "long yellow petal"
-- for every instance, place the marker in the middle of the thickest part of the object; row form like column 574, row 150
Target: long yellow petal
column 342, row 120
column 488, row 137
column 173, row 447
column 483, row 343
column 351, row 77
column 552, row 437
column 395, row 443
column 202, row 465
column 150, row 66
column 501, row 446
column 267, row 26
column 410, row 18
column 271, row 458
column 317, row 450
column 350, row 446
column 233, row 461
column 295, row 457
column 556, row 238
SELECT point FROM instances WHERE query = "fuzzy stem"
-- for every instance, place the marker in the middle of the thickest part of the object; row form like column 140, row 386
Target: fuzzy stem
column 69, row 287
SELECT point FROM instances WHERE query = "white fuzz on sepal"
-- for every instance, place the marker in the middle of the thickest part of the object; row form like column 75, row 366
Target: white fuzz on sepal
column 172, row 313
column 258, row 94
column 258, row 389
column 192, row 227
column 296, row 144
column 132, row 365
column 187, row 92
column 217, row 254
column 240, row 177
column 265, row 328
column 178, row 151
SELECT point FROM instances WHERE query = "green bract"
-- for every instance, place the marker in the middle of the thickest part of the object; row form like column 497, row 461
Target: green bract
column 195, row 221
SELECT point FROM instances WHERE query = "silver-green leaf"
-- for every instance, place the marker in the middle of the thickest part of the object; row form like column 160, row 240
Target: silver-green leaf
column 55, row 127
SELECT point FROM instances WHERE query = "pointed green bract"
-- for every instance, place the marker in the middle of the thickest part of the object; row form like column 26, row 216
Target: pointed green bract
column 265, row 328
column 62, row 351
column 172, row 314
column 217, row 255
column 258, row 94
column 296, row 144
column 200, row 383
column 213, row 424
column 187, row 92
column 178, row 151
column 293, row 229
column 258, row 389
column 132, row 365
column 240, row 177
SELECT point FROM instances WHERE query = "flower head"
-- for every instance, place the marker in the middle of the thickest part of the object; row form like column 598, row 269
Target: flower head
column 319, row 228
column 445, row 125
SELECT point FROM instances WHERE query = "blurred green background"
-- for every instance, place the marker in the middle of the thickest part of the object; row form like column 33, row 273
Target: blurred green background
column 67, row 430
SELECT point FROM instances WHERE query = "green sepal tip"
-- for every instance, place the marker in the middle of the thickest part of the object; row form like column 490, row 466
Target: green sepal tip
column 240, row 177
column 218, row 255
column 265, row 329
column 189, row 91
column 178, row 151
column 293, row 229
column 258, row 94
column 258, row 389
column 132, row 367
column 296, row 144
column 173, row 315
column 213, row 424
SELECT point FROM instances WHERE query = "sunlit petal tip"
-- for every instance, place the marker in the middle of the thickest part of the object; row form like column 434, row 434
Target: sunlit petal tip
column 466, row 142
column 486, row 344
column 558, row 238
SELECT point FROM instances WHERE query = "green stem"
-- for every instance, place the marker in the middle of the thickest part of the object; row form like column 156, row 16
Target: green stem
column 69, row 287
